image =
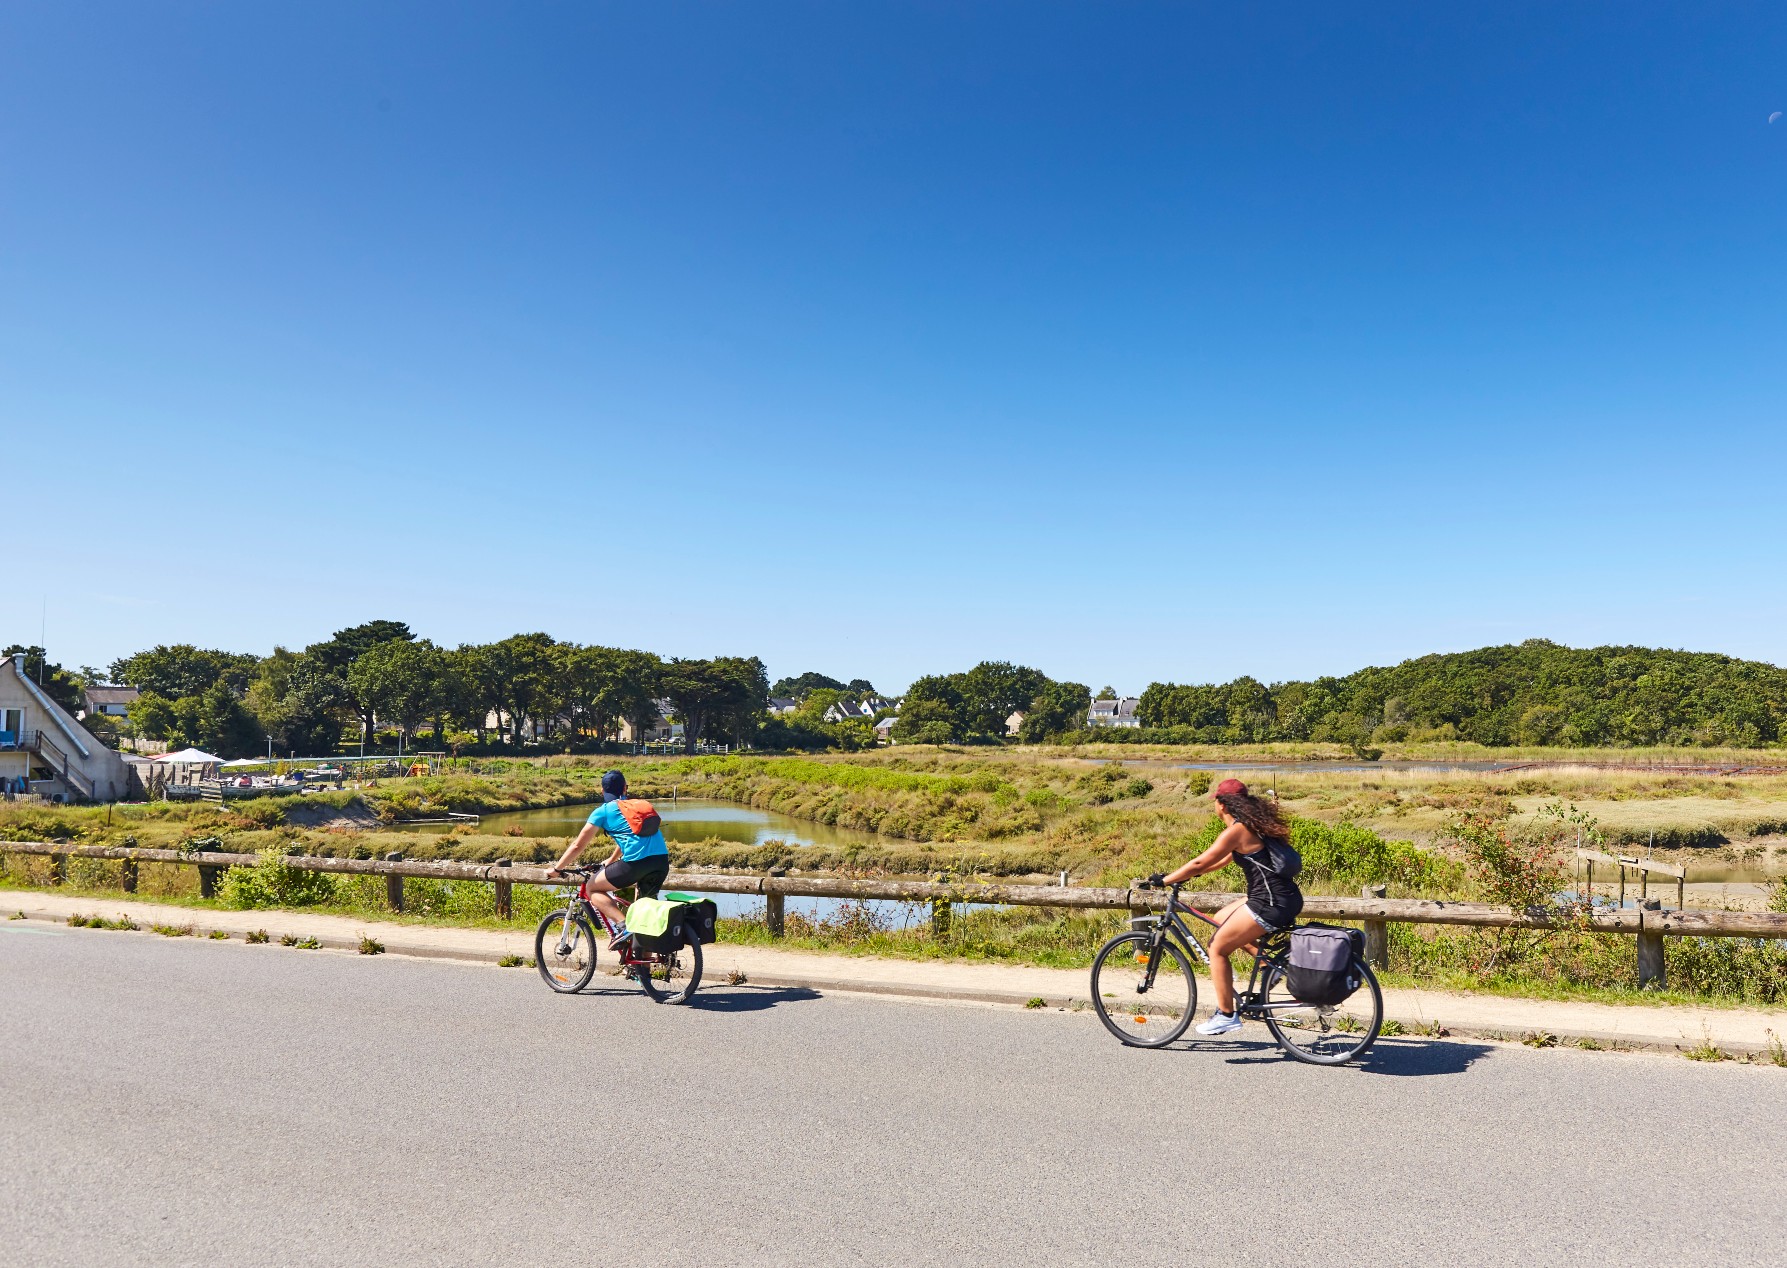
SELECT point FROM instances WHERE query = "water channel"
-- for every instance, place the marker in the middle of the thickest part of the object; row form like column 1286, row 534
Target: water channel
column 693, row 820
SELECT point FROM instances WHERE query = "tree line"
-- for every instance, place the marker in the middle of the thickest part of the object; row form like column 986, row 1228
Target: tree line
column 1536, row 692
column 521, row 689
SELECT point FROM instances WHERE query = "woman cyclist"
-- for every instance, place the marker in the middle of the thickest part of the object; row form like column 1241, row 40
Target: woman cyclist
column 640, row 858
column 1255, row 839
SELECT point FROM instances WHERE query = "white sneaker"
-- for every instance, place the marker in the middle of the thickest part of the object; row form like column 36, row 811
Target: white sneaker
column 1220, row 1024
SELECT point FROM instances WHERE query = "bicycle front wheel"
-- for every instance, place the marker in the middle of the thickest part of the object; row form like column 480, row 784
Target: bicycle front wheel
column 672, row 976
column 1145, row 997
column 1324, row 1034
column 565, row 950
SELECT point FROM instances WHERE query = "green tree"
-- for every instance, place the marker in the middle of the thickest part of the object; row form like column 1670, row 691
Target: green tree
column 933, row 712
column 1058, row 707
column 225, row 726
column 607, row 685
column 725, row 695
column 994, row 690
column 797, row 688
column 401, row 680
column 519, row 675
column 180, row 669
column 344, row 647
column 299, row 703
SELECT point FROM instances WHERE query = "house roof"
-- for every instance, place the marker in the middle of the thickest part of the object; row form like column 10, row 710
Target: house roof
column 782, row 702
column 56, row 713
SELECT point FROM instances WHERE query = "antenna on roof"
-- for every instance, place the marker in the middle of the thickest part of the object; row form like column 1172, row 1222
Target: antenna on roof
column 43, row 626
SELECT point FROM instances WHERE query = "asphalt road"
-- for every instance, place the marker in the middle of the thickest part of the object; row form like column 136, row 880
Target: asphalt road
column 178, row 1102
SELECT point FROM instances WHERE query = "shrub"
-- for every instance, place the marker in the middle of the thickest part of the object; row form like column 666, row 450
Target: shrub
column 274, row 883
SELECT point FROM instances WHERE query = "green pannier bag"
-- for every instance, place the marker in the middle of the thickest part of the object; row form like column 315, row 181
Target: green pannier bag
column 656, row 925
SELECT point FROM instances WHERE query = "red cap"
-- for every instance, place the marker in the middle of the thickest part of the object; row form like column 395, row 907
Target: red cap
column 1229, row 787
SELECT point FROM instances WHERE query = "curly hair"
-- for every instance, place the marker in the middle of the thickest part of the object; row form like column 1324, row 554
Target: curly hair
column 1260, row 816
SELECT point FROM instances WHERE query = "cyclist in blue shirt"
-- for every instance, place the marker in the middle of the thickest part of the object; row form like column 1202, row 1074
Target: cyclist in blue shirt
column 640, row 859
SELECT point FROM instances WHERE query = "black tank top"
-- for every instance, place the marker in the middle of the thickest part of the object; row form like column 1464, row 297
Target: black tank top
column 1271, row 872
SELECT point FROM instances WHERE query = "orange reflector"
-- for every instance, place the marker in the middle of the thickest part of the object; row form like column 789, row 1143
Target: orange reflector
column 1141, row 1020
column 1141, row 957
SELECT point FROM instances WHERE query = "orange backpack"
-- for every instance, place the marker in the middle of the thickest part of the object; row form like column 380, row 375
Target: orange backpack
column 640, row 816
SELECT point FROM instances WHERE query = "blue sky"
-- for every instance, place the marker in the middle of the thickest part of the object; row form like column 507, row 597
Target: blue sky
column 1130, row 341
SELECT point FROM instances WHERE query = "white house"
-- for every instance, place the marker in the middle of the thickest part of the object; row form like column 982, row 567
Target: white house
column 113, row 702
column 863, row 710
column 1121, row 712
column 664, row 729
column 43, row 750
column 782, row 706
column 884, row 728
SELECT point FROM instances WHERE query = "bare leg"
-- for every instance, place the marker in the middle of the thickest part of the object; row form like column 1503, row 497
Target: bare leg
column 599, row 897
column 1239, row 932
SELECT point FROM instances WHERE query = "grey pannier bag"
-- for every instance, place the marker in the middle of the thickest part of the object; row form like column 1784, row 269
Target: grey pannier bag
column 1323, row 966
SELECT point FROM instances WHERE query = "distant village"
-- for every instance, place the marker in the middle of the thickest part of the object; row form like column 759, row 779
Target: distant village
column 53, row 752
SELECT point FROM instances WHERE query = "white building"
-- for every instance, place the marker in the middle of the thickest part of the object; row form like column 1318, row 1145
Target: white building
column 43, row 750
column 113, row 702
column 1121, row 712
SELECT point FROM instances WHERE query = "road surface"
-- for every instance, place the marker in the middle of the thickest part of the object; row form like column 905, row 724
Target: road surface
column 168, row 1101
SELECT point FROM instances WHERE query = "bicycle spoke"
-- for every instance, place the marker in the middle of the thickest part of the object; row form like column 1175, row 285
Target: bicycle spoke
column 1144, row 995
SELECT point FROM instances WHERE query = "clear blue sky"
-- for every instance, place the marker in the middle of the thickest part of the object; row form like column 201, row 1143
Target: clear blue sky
column 1130, row 341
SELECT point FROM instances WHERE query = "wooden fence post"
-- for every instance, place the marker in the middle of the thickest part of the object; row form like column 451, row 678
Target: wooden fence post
column 394, row 884
column 772, row 914
column 941, row 911
column 1652, row 974
column 127, row 875
column 1377, row 932
column 58, row 869
column 208, row 875
column 505, row 894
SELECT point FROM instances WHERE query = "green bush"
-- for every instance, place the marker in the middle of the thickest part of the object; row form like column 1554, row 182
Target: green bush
column 274, row 883
column 1348, row 853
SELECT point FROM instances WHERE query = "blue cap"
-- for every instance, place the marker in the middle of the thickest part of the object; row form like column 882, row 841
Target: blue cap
column 614, row 786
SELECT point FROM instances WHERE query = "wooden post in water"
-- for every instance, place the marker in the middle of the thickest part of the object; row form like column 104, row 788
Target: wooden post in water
column 772, row 914
column 505, row 893
column 394, row 884
column 1652, row 974
column 1377, row 932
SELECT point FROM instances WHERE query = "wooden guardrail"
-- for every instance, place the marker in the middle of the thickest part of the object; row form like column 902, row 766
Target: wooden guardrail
column 1649, row 923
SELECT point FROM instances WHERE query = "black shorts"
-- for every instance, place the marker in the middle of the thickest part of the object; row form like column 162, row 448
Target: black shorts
column 647, row 874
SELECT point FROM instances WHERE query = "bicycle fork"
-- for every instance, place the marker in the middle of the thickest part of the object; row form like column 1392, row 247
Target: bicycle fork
column 570, row 931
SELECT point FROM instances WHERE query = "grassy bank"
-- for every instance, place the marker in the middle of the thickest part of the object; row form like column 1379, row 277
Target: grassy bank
column 994, row 812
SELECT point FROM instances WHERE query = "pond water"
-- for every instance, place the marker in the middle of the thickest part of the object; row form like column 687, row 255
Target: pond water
column 689, row 820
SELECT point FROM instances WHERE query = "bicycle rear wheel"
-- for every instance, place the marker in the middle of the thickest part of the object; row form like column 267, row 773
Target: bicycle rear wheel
column 672, row 976
column 1324, row 1035
column 565, row 951
column 1145, row 998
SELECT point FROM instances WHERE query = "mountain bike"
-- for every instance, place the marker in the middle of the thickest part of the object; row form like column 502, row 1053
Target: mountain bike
column 565, row 948
column 1146, row 995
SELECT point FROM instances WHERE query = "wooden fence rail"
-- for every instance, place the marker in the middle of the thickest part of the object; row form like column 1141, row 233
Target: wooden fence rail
column 1649, row 923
